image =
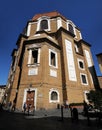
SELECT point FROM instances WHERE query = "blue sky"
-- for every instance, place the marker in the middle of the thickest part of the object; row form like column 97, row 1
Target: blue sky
column 14, row 14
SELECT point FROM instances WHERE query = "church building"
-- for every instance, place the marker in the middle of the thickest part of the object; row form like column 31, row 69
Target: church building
column 52, row 64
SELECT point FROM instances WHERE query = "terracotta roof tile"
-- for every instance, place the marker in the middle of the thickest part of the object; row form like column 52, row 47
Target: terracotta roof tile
column 50, row 14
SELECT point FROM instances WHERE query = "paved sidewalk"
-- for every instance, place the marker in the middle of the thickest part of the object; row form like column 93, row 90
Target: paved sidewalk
column 53, row 113
column 46, row 120
column 53, row 118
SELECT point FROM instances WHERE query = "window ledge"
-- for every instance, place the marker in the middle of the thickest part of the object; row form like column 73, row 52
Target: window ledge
column 33, row 65
column 56, row 101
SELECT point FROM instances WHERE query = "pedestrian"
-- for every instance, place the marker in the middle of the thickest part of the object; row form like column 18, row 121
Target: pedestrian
column 24, row 107
column 85, row 110
column 66, row 104
column 0, row 106
column 33, row 110
column 61, row 112
column 9, row 106
column 74, row 115
column 70, row 107
column 86, row 113
column 29, row 106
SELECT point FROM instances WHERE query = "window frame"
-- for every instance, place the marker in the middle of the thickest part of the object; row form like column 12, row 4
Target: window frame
column 54, row 96
column 82, row 79
column 30, row 57
column 39, row 23
column 44, row 24
column 56, row 60
column 71, row 29
column 73, row 25
column 53, row 101
column 76, row 48
column 34, row 56
column 80, row 60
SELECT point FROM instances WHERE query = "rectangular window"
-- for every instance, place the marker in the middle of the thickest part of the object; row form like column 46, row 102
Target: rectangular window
column 34, row 56
column 84, row 79
column 52, row 58
column 81, row 64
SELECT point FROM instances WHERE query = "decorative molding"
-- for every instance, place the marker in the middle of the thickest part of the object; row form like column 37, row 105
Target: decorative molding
column 33, row 71
column 70, row 61
column 53, row 73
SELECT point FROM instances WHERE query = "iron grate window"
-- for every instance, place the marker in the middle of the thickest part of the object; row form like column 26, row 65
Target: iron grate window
column 54, row 96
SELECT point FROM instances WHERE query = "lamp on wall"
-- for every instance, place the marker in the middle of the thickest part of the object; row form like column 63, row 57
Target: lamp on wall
column 30, row 85
column 29, row 88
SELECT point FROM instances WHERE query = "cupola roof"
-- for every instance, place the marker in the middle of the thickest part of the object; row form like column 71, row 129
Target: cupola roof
column 49, row 14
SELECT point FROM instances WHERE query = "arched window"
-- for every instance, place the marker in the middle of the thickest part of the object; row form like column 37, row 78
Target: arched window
column 43, row 24
column 54, row 95
column 71, row 28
